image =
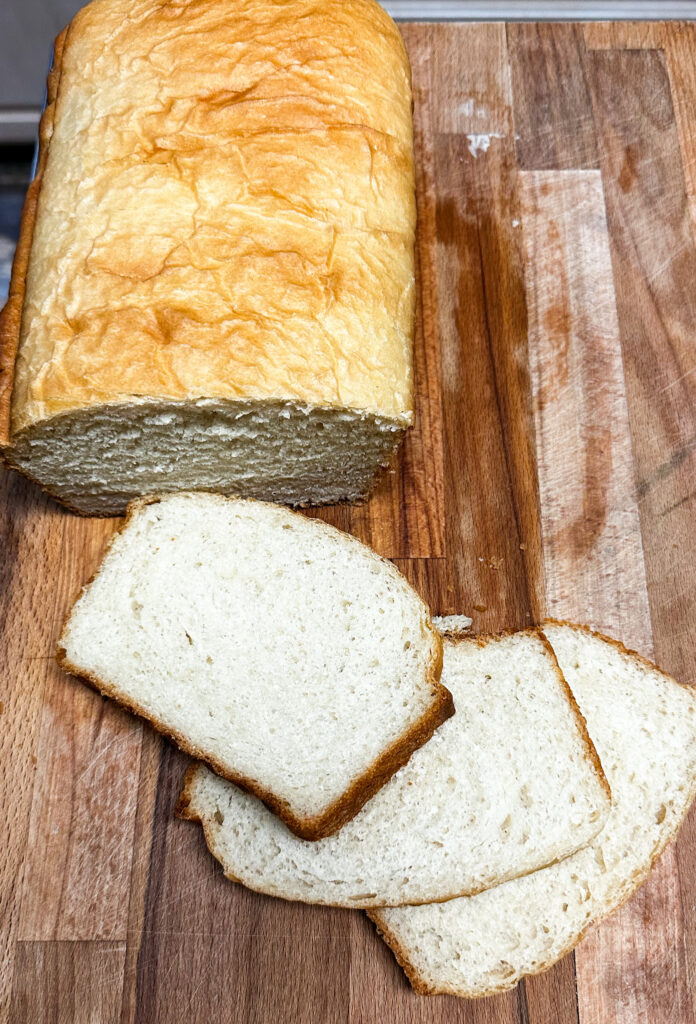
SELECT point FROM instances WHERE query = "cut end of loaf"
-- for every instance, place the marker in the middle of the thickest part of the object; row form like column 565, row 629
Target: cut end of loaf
column 95, row 461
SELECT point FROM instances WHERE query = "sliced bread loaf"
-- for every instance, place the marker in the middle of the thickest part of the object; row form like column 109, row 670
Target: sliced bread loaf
column 283, row 652
column 511, row 782
column 644, row 727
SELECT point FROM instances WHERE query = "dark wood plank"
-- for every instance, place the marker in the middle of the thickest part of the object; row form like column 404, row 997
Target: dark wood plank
column 208, row 943
column 552, row 996
column 380, row 992
column 493, row 538
column 31, row 535
column 643, row 963
column 150, row 757
column 405, row 518
column 77, row 869
column 552, row 111
column 67, row 983
column 678, row 41
column 680, row 53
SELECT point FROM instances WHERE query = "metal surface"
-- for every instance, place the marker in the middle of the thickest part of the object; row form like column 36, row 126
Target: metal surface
column 541, row 10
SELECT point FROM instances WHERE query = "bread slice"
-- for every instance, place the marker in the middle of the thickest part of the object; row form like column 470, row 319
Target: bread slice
column 283, row 652
column 644, row 726
column 510, row 783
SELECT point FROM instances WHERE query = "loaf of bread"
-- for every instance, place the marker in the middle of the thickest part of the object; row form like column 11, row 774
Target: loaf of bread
column 510, row 783
column 644, row 727
column 285, row 653
column 214, row 284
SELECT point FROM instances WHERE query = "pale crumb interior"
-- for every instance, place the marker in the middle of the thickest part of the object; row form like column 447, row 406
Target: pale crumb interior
column 283, row 649
column 644, row 727
column 99, row 459
column 503, row 787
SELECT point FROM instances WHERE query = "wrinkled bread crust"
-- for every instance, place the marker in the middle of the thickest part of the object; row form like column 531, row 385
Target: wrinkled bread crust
column 230, row 218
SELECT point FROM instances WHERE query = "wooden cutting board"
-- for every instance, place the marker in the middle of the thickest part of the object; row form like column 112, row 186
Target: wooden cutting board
column 552, row 471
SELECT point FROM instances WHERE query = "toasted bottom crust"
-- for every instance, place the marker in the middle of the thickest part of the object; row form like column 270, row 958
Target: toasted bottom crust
column 359, row 792
column 421, row 986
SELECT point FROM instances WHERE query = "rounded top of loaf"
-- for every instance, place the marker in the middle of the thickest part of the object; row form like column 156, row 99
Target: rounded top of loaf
column 226, row 210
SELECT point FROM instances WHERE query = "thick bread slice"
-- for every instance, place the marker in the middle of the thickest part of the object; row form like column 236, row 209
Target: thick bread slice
column 644, row 727
column 283, row 652
column 508, row 784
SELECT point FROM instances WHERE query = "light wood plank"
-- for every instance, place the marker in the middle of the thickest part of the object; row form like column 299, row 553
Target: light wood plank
column 625, row 35
column 593, row 554
column 67, row 982
column 595, row 569
column 593, row 557
column 654, row 267
column 469, row 78
column 680, row 53
column 552, row 110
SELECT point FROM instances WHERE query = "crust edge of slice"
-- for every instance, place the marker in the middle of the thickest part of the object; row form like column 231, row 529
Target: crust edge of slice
column 363, row 787
column 417, row 980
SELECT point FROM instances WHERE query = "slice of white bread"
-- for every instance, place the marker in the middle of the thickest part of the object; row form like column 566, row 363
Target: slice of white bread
column 644, row 726
column 283, row 652
column 510, row 783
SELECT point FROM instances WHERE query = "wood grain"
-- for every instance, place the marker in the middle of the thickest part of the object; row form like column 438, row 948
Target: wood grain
column 678, row 41
column 405, row 518
column 553, row 115
column 654, row 269
column 680, row 53
column 469, row 77
column 551, row 469
column 77, row 870
column 79, row 982
column 625, row 35
column 492, row 523
column 31, row 534
column 207, row 943
column 593, row 551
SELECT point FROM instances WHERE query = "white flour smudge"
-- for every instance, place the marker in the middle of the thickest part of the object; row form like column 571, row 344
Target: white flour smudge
column 481, row 143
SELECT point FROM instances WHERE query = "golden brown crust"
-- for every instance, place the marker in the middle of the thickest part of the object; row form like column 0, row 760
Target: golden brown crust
column 141, row 311
column 11, row 314
column 364, row 787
